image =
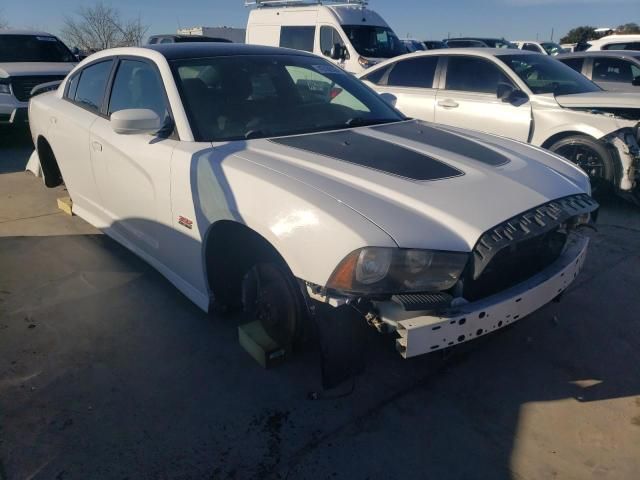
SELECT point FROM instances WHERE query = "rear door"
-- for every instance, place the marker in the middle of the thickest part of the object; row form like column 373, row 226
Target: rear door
column 68, row 134
column 411, row 82
column 468, row 99
column 133, row 171
column 615, row 74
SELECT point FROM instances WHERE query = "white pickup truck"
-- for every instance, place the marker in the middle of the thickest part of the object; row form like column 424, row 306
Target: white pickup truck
column 28, row 59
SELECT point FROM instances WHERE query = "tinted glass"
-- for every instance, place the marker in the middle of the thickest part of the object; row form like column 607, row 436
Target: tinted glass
column 376, row 76
column 622, row 46
column 414, row 72
column 375, row 42
column 465, row 44
column 543, row 74
column 137, row 85
column 91, row 86
column 470, row 74
column 575, row 63
column 72, row 86
column 611, row 70
column 329, row 36
column 298, row 38
column 253, row 96
column 552, row 48
column 33, row 48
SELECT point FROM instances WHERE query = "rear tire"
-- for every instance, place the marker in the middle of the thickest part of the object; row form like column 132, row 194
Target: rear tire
column 591, row 156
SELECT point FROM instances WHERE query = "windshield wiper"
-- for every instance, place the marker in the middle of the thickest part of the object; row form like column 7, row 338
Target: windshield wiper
column 363, row 122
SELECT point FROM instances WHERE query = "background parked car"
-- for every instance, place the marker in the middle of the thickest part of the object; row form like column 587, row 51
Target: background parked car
column 474, row 42
column 413, row 45
column 614, row 70
column 615, row 42
column 174, row 38
column 27, row 59
column 525, row 96
column 547, row 48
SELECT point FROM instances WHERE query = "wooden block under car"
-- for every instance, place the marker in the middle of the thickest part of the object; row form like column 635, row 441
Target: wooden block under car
column 66, row 205
column 257, row 342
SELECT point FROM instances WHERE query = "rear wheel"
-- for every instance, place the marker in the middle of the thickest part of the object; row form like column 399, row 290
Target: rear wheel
column 591, row 156
column 271, row 295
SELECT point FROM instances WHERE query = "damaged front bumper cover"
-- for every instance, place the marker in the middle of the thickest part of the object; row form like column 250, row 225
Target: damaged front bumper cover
column 426, row 332
column 624, row 143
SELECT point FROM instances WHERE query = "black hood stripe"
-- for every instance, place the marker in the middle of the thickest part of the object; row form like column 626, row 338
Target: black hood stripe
column 350, row 146
column 435, row 137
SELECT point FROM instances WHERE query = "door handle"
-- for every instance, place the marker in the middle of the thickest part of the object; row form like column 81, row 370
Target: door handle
column 97, row 146
column 448, row 103
column 53, row 120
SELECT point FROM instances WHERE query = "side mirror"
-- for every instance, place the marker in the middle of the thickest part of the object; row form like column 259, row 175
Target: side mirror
column 337, row 52
column 389, row 98
column 636, row 82
column 135, row 121
column 508, row 94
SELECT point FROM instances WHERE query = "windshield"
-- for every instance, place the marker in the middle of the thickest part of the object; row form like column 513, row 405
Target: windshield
column 552, row 48
column 543, row 74
column 376, row 42
column 33, row 48
column 257, row 96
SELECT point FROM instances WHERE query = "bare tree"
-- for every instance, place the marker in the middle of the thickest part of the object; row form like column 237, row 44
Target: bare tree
column 101, row 26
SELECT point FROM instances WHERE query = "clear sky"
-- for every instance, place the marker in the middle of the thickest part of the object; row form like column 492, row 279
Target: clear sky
column 425, row 19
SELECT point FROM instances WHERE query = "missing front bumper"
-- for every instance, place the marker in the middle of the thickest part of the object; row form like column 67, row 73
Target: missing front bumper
column 427, row 333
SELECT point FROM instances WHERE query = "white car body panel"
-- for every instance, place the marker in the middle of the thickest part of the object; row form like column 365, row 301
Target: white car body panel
column 160, row 197
column 603, row 42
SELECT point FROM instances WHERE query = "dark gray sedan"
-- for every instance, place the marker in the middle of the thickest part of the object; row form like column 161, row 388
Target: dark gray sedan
column 615, row 70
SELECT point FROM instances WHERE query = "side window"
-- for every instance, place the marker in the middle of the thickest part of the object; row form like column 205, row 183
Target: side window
column 376, row 77
column 137, row 85
column 575, row 63
column 622, row 46
column 532, row 47
column 611, row 70
column 415, row 72
column 72, row 86
column 91, row 85
column 298, row 38
column 329, row 36
column 469, row 74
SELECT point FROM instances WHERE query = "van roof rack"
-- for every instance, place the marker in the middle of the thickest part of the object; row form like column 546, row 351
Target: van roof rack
column 297, row 3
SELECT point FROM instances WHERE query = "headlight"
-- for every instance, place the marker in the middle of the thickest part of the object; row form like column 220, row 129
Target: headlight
column 5, row 87
column 382, row 270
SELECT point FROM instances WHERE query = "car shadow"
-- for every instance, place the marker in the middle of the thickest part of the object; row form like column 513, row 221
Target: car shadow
column 108, row 372
column 15, row 148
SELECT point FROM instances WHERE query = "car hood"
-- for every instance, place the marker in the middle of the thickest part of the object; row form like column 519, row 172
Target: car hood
column 426, row 186
column 600, row 100
column 14, row 69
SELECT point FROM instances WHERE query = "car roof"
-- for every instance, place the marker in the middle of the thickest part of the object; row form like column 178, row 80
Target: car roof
column 7, row 31
column 634, row 54
column 476, row 38
column 175, row 51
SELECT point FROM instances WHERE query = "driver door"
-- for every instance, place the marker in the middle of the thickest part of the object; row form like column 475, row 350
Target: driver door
column 469, row 99
column 133, row 171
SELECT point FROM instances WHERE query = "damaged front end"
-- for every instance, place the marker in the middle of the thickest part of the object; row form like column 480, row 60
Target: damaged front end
column 514, row 269
column 625, row 148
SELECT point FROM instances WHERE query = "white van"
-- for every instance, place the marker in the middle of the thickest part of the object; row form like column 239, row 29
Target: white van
column 346, row 32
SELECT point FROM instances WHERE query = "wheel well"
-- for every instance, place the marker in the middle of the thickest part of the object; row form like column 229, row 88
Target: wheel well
column 48, row 163
column 230, row 250
column 559, row 136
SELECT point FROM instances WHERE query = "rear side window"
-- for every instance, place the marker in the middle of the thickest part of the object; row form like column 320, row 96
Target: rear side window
column 376, row 77
column 415, row 72
column 611, row 70
column 137, row 85
column 470, row 74
column 91, row 85
column 298, row 38
column 575, row 63
column 622, row 46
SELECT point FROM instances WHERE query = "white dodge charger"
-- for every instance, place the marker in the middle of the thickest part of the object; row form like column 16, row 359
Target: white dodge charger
column 270, row 180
